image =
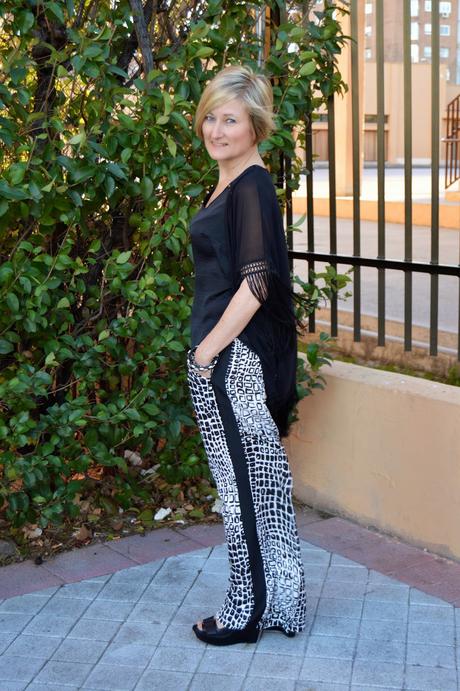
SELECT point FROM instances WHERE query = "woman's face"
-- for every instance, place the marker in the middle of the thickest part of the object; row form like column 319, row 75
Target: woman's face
column 227, row 131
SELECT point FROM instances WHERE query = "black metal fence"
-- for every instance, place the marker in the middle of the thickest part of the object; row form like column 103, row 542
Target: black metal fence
column 434, row 269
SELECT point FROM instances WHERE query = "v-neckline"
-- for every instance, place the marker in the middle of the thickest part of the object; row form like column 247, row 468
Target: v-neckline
column 254, row 165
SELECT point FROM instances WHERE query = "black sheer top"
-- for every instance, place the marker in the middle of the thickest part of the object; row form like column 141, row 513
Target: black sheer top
column 241, row 235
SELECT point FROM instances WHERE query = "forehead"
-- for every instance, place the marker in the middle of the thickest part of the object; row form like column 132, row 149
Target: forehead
column 233, row 107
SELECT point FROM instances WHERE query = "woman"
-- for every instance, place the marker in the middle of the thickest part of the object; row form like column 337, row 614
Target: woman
column 242, row 363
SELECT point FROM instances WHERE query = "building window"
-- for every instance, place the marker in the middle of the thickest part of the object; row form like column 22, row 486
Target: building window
column 414, row 52
column 368, row 8
column 368, row 53
column 414, row 8
column 445, row 8
column 414, row 31
column 427, row 51
column 428, row 29
column 443, row 52
column 368, row 30
column 427, row 5
column 444, row 30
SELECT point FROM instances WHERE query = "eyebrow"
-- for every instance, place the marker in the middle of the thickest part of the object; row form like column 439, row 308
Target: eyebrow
column 225, row 114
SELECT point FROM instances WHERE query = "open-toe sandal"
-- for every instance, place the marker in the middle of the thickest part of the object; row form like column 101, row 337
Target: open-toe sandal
column 215, row 635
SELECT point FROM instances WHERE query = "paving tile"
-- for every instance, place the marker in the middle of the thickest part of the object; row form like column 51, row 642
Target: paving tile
column 176, row 658
column 430, row 678
column 105, row 609
column 275, row 666
column 78, row 650
column 170, row 594
column 345, row 573
column 6, row 638
column 113, row 678
column 86, row 590
column 335, row 626
column 381, row 651
column 339, row 560
column 25, row 604
column 64, row 673
column 94, row 629
column 136, row 655
column 138, row 574
column 276, row 642
column 180, row 635
column 340, row 607
column 14, row 622
column 211, row 682
column 374, row 673
column 387, row 593
column 330, row 647
column 17, row 579
column 431, row 613
column 377, row 609
column 419, row 597
column 330, row 670
column 320, row 686
column 343, row 589
column 389, row 630
column 164, row 680
column 139, row 632
column 154, row 545
column 34, row 646
column 16, row 686
column 153, row 612
column 264, row 684
column 225, row 661
column 430, row 569
column 429, row 655
column 122, row 592
column 316, row 556
column 439, row 634
column 64, row 607
column 315, row 572
column 50, row 625
column 19, row 668
column 83, row 563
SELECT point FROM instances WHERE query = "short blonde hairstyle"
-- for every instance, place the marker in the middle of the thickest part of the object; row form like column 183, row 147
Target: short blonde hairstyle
column 239, row 81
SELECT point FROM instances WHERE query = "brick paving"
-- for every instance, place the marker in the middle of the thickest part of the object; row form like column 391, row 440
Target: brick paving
column 382, row 615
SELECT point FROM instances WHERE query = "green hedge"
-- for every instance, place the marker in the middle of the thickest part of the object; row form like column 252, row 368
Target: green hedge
column 99, row 174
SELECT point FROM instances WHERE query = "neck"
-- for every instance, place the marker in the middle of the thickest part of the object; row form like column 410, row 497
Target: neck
column 228, row 170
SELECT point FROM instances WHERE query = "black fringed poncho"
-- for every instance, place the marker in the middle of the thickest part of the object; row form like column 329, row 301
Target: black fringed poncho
column 241, row 235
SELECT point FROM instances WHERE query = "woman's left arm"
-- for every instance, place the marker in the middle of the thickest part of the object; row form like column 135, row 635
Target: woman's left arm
column 236, row 316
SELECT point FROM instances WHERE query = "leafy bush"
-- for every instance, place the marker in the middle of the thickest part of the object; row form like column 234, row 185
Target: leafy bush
column 99, row 174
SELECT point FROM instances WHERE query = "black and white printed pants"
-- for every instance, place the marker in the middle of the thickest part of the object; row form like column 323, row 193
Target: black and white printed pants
column 250, row 468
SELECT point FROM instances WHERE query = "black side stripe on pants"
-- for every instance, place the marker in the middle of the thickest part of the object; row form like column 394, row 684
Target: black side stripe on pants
column 239, row 462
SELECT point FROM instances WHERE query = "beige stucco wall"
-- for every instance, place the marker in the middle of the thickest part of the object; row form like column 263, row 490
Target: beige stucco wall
column 382, row 449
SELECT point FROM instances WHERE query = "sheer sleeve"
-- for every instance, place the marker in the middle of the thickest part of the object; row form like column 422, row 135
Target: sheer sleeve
column 252, row 233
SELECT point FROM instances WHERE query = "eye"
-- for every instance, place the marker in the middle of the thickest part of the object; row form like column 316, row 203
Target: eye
column 231, row 120
column 208, row 117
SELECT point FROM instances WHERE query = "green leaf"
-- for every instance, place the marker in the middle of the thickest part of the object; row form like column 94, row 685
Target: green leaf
column 307, row 69
column 123, row 257
column 146, row 188
column 172, row 146
column 12, row 302
column 103, row 335
column 51, row 359
column 5, row 347
column 63, row 302
column 204, row 52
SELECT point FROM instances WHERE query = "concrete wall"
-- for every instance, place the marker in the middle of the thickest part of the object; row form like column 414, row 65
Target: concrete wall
column 382, row 449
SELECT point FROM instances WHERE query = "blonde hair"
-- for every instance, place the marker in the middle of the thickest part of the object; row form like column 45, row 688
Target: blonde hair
column 239, row 81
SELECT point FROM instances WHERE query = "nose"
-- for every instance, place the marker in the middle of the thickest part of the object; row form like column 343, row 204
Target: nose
column 216, row 131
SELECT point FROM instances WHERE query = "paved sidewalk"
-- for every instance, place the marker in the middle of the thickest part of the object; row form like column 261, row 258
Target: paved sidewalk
column 111, row 617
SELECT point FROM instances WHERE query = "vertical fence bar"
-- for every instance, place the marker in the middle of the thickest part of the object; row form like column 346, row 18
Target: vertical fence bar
column 434, row 287
column 310, row 217
column 407, row 175
column 356, row 127
column 332, row 204
column 380, row 76
column 290, row 241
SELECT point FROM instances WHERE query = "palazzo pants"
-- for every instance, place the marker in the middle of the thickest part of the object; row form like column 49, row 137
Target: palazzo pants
column 250, row 468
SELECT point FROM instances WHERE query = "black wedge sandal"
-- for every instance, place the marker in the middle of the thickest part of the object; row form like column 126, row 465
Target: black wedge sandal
column 214, row 635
